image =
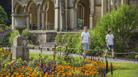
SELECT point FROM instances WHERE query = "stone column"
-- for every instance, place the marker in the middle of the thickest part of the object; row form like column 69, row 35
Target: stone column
column 38, row 17
column 27, row 19
column 46, row 19
column 28, row 24
column 12, row 2
column 103, row 7
column 73, row 18
column 61, row 14
column 113, row 4
column 72, row 14
column 108, row 5
column 123, row 2
column 43, row 19
column 66, row 14
column 57, row 14
column 91, row 13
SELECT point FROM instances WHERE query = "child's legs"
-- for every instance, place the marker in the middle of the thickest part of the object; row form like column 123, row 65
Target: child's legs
column 109, row 48
column 112, row 50
column 113, row 53
column 85, row 48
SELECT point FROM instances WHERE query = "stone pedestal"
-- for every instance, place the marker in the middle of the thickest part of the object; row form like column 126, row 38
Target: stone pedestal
column 20, row 49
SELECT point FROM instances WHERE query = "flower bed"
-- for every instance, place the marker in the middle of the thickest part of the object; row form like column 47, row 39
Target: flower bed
column 40, row 68
column 4, row 54
column 16, row 69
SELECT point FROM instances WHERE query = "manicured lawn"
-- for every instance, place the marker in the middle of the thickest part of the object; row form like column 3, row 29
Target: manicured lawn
column 124, row 70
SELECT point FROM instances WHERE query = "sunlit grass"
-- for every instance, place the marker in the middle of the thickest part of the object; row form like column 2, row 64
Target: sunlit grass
column 124, row 70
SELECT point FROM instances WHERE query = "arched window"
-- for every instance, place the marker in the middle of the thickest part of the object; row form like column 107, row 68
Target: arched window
column 80, row 14
column 32, row 10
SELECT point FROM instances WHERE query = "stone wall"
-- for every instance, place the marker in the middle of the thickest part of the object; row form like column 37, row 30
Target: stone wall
column 42, row 38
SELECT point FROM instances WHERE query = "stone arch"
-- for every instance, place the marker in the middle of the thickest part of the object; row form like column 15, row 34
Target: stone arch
column 83, row 11
column 32, row 10
column 44, row 13
column 18, row 9
column 48, row 9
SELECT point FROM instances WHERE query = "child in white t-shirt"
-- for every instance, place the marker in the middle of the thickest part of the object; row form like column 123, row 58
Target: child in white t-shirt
column 85, row 38
column 110, row 42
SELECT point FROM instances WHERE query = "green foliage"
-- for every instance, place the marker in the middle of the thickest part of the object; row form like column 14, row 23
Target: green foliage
column 4, row 41
column 122, row 22
column 80, row 22
column 15, row 33
column 3, row 27
column 3, row 16
column 70, row 42
column 26, row 33
column 75, row 60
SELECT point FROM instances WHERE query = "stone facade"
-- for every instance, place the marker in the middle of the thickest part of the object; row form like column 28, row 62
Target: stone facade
column 64, row 15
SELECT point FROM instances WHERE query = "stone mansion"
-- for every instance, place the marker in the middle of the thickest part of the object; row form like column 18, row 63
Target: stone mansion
column 47, row 17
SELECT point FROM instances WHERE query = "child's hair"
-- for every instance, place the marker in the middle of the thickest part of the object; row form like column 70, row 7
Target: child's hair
column 85, row 26
column 109, row 31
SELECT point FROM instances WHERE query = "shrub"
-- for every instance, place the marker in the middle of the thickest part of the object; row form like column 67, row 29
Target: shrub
column 4, row 29
column 70, row 42
column 3, row 16
column 14, row 33
column 122, row 22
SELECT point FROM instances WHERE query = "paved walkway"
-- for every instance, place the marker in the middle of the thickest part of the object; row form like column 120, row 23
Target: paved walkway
column 109, row 59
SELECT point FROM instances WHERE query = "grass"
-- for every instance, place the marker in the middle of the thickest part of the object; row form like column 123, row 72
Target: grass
column 124, row 70
column 35, row 55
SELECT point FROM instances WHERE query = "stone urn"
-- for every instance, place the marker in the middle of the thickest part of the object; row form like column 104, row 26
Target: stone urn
column 20, row 21
column 20, row 48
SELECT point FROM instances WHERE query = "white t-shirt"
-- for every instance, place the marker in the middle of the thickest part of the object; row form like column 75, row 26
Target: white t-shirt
column 85, row 37
column 110, row 39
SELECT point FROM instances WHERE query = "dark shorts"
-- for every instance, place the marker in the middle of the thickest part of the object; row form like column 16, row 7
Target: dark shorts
column 110, row 47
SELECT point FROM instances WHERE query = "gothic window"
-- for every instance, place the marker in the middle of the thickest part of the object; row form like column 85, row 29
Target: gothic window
column 81, row 14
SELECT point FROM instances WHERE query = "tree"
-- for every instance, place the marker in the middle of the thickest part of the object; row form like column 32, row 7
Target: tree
column 3, row 16
column 6, row 4
column 122, row 22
